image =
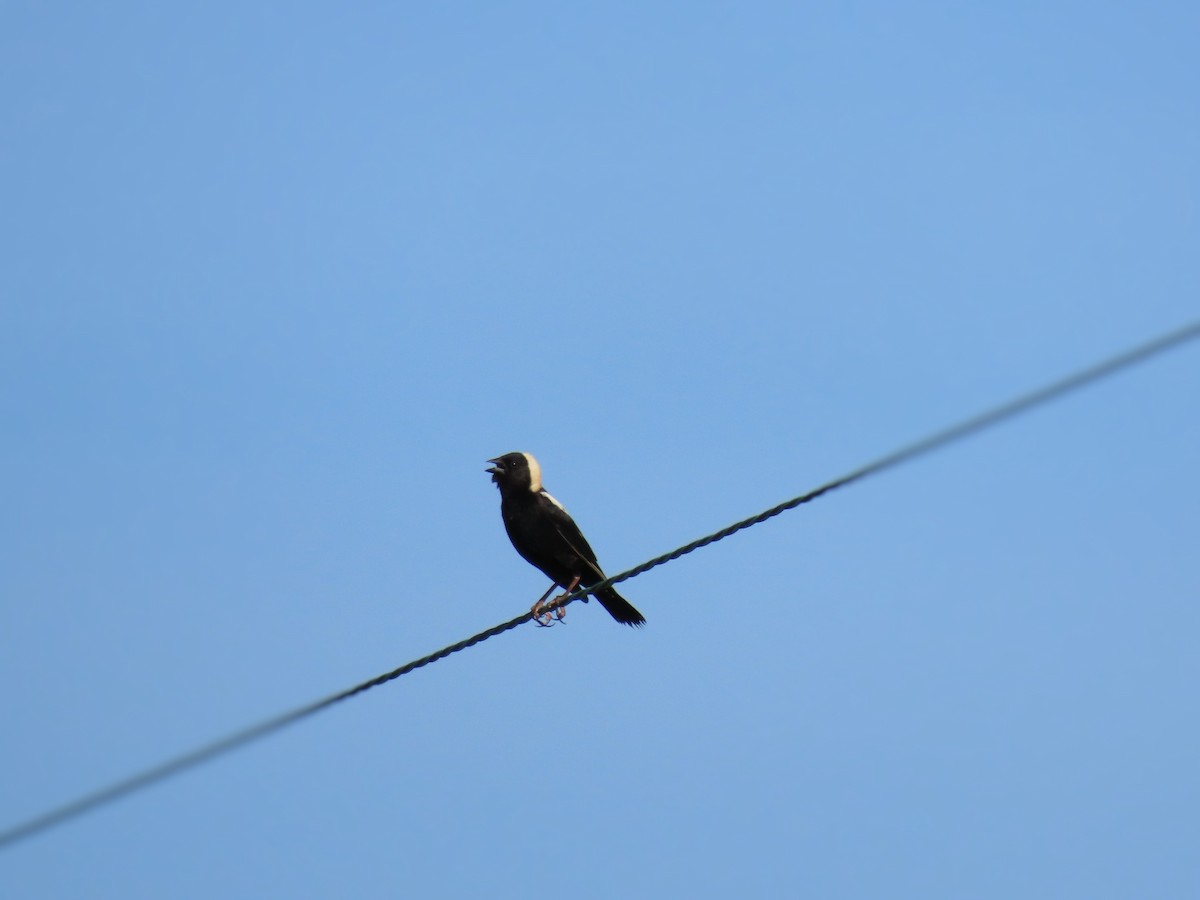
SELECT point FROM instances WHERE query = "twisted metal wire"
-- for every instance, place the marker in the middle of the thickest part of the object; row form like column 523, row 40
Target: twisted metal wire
column 1015, row 407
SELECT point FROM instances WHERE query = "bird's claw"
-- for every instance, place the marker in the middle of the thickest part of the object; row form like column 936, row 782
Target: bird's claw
column 557, row 608
column 544, row 614
column 550, row 612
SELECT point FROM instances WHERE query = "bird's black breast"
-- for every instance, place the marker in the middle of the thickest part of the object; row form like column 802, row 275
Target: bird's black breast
column 548, row 538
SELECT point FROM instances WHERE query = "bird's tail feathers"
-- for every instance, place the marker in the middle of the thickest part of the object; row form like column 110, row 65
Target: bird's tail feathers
column 620, row 608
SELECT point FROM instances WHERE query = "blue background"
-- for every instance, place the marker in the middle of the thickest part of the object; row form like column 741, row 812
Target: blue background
column 278, row 279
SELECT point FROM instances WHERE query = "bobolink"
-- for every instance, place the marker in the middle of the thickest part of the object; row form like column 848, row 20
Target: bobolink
column 548, row 538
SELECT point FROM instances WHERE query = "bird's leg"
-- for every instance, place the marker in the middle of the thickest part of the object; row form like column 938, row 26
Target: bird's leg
column 538, row 610
column 560, row 611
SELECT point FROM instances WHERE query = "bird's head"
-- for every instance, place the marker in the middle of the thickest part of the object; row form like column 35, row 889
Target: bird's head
column 516, row 472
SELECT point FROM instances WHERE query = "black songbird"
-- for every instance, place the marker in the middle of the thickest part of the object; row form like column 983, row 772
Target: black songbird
column 548, row 538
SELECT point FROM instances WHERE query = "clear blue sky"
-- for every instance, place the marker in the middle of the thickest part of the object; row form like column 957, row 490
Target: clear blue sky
column 278, row 279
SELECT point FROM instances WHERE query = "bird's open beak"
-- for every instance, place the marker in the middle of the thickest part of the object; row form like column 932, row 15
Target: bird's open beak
column 494, row 469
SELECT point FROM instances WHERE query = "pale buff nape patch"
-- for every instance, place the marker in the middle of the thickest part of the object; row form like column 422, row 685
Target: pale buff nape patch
column 535, row 473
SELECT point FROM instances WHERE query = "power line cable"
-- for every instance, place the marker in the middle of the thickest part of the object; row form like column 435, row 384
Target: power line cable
column 1017, row 406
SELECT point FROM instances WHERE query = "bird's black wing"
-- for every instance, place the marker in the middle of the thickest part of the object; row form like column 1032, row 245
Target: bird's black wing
column 575, row 543
column 576, row 552
column 574, row 556
column 546, row 536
